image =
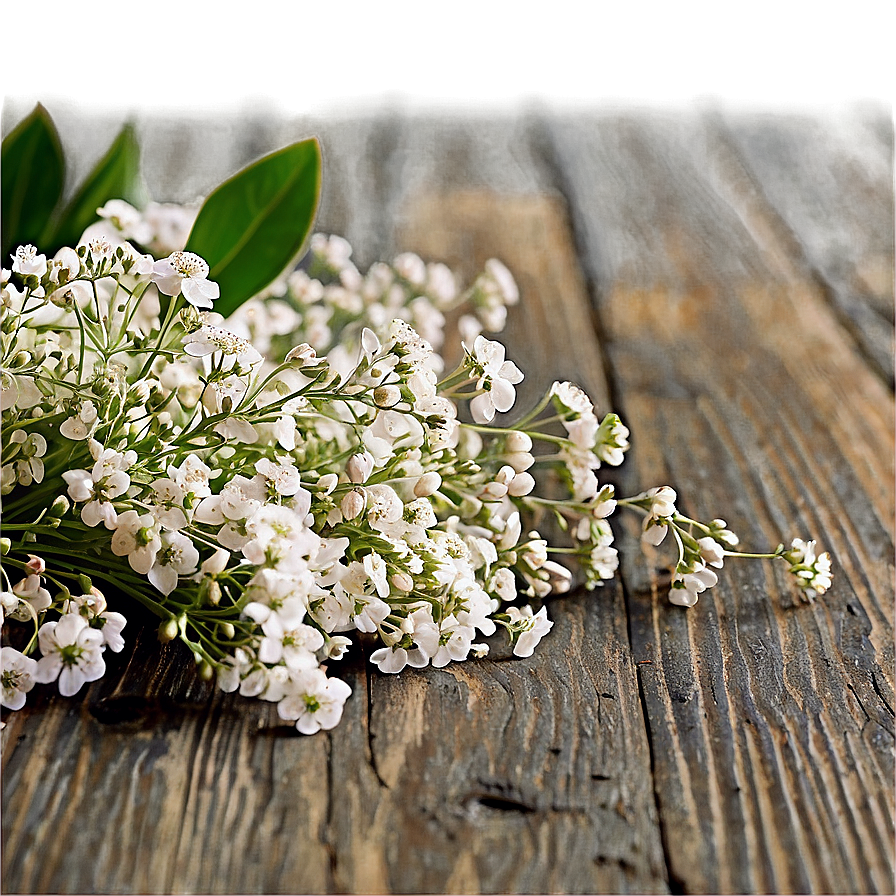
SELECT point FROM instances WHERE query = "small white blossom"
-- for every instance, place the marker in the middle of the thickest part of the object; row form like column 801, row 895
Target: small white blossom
column 688, row 585
column 314, row 702
column 82, row 424
column 27, row 261
column 17, row 676
column 185, row 273
column 496, row 376
column 531, row 628
column 662, row 509
column 72, row 652
column 812, row 571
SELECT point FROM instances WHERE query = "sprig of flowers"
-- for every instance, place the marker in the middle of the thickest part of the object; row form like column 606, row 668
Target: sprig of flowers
column 270, row 483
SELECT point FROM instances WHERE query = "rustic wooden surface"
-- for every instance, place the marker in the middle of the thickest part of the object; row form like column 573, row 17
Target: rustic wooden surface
column 726, row 284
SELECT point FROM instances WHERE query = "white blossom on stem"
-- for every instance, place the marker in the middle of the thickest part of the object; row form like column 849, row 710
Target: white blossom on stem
column 17, row 677
column 72, row 652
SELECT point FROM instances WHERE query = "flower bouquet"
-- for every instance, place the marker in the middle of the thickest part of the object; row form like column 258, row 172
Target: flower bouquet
column 276, row 459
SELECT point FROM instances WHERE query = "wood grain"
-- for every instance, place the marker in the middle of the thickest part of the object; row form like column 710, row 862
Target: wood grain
column 771, row 722
column 668, row 264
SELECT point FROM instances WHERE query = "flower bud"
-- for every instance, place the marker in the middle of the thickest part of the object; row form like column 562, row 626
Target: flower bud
column 85, row 583
column 328, row 482
column 493, row 491
column 168, row 630
column 402, row 581
column 518, row 441
column 522, row 484
column 5, row 545
column 35, row 565
column 505, row 475
column 428, row 484
column 227, row 630
column 214, row 593
column 386, row 396
column 302, row 354
column 520, row 460
column 359, row 467
column 352, row 504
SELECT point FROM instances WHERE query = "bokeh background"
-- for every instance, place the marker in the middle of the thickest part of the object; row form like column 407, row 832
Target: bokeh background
column 240, row 69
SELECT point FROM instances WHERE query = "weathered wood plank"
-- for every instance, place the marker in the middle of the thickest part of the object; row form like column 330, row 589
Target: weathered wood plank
column 771, row 722
column 769, row 739
column 529, row 776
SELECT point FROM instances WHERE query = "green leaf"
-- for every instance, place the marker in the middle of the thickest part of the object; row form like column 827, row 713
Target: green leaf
column 115, row 176
column 33, row 175
column 254, row 225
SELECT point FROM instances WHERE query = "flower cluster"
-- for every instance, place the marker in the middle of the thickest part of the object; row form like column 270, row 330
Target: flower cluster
column 269, row 484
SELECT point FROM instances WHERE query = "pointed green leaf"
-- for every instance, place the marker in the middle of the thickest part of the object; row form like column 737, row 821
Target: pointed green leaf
column 33, row 175
column 115, row 176
column 253, row 226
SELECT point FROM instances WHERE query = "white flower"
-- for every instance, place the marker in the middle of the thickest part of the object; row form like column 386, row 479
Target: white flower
column 26, row 261
column 208, row 339
column 504, row 584
column 314, row 701
column 17, row 676
column 410, row 267
column 177, row 556
column 192, row 476
column 496, row 376
column 9, row 605
column 659, row 516
column 19, row 391
column 572, row 400
column 33, row 598
column 531, row 628
column 28, row 469
column 105, row 482
column 93, row 608
column 611, row 441
column 383, row 505
column 812, row 572
column 686, row 586
column 82, row 425
column 390, row 659
column 137, row 538
column 711, row 552
column 185, row 273
column 604, row 503
column 455, row 641
column 604, row 561
column 334, row 250
column 375, row 567
column 283, row 478
column 295, row 647
column 276, row 594
column 72, row 652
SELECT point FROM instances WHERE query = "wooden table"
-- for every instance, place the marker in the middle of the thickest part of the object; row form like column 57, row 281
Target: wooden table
column 725, row 283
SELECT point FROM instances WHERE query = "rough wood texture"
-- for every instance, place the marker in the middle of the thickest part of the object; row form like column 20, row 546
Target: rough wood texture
column 682, row 271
